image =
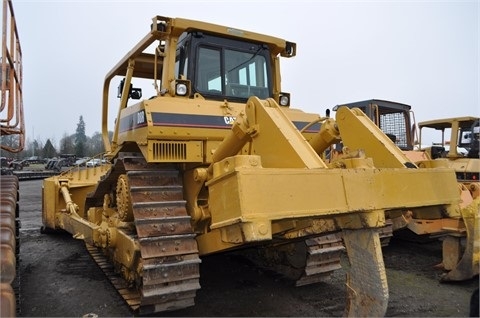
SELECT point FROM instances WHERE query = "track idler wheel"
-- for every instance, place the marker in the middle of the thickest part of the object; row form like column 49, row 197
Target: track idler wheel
column 367, row 289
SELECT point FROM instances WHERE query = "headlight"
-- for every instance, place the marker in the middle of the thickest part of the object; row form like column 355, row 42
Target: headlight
column 181, row 89
column 284, row 99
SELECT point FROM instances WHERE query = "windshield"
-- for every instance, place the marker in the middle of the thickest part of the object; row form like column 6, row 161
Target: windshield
column 231, row 73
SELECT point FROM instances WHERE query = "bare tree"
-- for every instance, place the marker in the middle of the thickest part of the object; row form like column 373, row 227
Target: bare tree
column 67, row 144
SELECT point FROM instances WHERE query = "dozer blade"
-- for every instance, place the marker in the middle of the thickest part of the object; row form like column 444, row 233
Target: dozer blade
column 367, row 289
column 468, row 265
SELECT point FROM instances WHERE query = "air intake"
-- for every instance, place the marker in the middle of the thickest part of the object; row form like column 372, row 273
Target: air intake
column 175, row 151
column 169, row 151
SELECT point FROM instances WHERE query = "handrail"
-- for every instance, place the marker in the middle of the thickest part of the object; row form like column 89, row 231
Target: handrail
column 11, row 104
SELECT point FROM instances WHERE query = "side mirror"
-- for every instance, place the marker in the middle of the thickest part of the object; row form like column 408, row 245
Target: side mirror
column 134, row 93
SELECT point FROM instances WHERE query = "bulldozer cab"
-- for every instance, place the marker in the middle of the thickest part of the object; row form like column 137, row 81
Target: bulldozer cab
column 225, row 68
column 453, row 137
column 396, row 120
column 190, row 60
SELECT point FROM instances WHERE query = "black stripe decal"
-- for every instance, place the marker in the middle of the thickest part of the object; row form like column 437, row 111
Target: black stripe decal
column 133, row 121
column 183, row 120
column 138, row 120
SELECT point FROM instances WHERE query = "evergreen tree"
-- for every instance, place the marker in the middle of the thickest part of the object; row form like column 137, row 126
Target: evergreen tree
column 80, row 139
column 49, row 150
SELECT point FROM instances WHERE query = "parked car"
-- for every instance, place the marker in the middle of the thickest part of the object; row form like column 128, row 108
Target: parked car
column 81, row 162
column 19, row 164
column 93, row 163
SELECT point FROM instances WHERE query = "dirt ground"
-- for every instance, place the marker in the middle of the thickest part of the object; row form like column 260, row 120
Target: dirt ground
column 59, row 279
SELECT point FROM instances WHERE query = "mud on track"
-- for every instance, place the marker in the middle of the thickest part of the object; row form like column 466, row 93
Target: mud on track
column 58, row 278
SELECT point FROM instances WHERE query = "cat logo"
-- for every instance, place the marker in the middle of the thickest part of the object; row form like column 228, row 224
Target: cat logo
column 229, row 120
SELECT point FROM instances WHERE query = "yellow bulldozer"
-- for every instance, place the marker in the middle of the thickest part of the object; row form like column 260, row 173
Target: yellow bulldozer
column 456, row 145
column 457, row 142
column 216, row 160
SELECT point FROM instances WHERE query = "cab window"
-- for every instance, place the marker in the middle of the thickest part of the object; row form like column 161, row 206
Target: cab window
column 232, row 73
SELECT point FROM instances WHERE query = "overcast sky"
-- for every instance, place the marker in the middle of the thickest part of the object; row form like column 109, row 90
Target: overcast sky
column 421, row 53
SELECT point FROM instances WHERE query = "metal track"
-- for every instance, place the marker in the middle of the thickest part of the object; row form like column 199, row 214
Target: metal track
column 168, row 265
column 10, row 246
column 129, row 294
column 386, row 233
column 323, row 257
column 310, row 261
column 305, row 262
column 323, row 254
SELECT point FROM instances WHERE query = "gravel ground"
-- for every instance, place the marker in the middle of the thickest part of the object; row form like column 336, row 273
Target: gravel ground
column 59, row 279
